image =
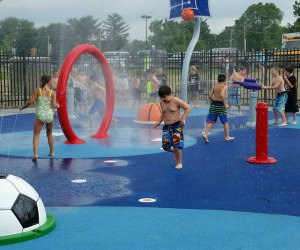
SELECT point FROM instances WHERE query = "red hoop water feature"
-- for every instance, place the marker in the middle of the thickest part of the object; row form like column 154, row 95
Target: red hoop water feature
column 71, row 58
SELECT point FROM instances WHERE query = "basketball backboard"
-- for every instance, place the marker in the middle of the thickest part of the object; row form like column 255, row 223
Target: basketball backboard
column 200, row 7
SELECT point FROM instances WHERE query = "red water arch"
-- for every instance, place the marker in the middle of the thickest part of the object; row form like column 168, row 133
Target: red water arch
column 63, row 117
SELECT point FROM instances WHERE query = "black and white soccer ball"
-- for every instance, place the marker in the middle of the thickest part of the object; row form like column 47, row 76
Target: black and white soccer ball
column 21, row 208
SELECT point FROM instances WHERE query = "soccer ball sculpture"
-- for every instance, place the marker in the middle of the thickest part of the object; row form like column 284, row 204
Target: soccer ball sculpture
column 21, row 208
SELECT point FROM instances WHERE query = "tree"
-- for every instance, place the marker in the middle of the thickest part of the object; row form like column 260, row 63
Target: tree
column 17, row 36
column 296, row 11
column 224, row 38
column 58, row 39
column 50, row 41
column 207, row 39
column 296, row 26
column 80, row 31
column 116, row 33
column 134, row 46
column 175, row 36
column 261, row 24
column 84, row 30
column 166, row 35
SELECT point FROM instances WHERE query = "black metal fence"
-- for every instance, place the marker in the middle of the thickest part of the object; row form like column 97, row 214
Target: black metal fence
column 19, row 76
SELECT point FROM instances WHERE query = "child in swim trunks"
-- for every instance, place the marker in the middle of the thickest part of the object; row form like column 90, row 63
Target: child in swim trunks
column 234, row 90
column 98, row 94
column 218, row 108
column 46, row 101
column 281, row 98
column 172, row 133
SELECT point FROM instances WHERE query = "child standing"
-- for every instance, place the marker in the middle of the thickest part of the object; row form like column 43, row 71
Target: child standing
column 172, row 133
column 280, row 100
column 152, row 86
column 234, row 90
column 46, row 101
column 194, row 80
column 161, row 76
column 290, row 82
column 136, row 90
column 218, row 108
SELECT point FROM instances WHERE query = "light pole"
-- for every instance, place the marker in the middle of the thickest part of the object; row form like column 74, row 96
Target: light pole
column 245, row 41
column 230, row 43
column 146, row 18
column 100, row 38
column 48, row 46
column 230, row 35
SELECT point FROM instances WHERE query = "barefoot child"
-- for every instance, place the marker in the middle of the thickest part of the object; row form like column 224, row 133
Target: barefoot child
column 234, row 90
column 172, row 133
column 45, row 99
column 290, row 82
column 281, row 98
column 98, row 94
column 218, row 108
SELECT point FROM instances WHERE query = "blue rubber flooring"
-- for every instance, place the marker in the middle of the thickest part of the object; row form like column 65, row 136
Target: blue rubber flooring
column 217, row 201
column 156, row 228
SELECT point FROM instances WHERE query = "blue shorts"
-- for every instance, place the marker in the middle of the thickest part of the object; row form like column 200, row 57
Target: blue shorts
column 217, row 109
column 172, row 136
column 234, row 96
column 280, row 101
column 194, row 93
column 153, row 96
column 98, row 106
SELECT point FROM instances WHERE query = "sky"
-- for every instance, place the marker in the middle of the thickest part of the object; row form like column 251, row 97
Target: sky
column 44, row 12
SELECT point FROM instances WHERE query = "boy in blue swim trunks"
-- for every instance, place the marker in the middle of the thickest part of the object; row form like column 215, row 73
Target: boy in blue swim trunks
column 172, row 133
column 234, row 90
column 218, row 108
column 98, row 95
column 281, row 98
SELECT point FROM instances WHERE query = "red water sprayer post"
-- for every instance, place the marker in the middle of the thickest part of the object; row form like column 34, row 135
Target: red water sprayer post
column 261, row 136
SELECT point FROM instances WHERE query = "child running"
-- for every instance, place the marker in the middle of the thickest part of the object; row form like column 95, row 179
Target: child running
column 172, row 133
column 218, row 108
column 98, row 94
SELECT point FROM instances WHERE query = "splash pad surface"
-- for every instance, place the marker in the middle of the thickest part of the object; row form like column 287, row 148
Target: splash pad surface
column 123, row 142
column 215, row 183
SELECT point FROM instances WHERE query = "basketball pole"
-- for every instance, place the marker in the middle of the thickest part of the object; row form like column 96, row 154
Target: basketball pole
column 187, row 59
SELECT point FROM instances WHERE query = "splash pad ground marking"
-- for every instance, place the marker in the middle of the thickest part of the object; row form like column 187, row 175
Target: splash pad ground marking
column 79, row 181
column 110, row 161
column 147, row 200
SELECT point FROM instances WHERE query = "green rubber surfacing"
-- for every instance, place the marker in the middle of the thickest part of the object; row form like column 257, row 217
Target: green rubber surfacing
column 36, row 233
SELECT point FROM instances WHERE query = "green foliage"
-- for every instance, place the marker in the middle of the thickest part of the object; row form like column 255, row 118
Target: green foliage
column 52, row 38
column 116, row 32
column 80, row 31
column 296, row 26
column 175, row 36
column 17, row 36
column 223, row 39
column 83, row 30
column 134, row 46
column 296, row 11
column 261, row 23
column 58, row 39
